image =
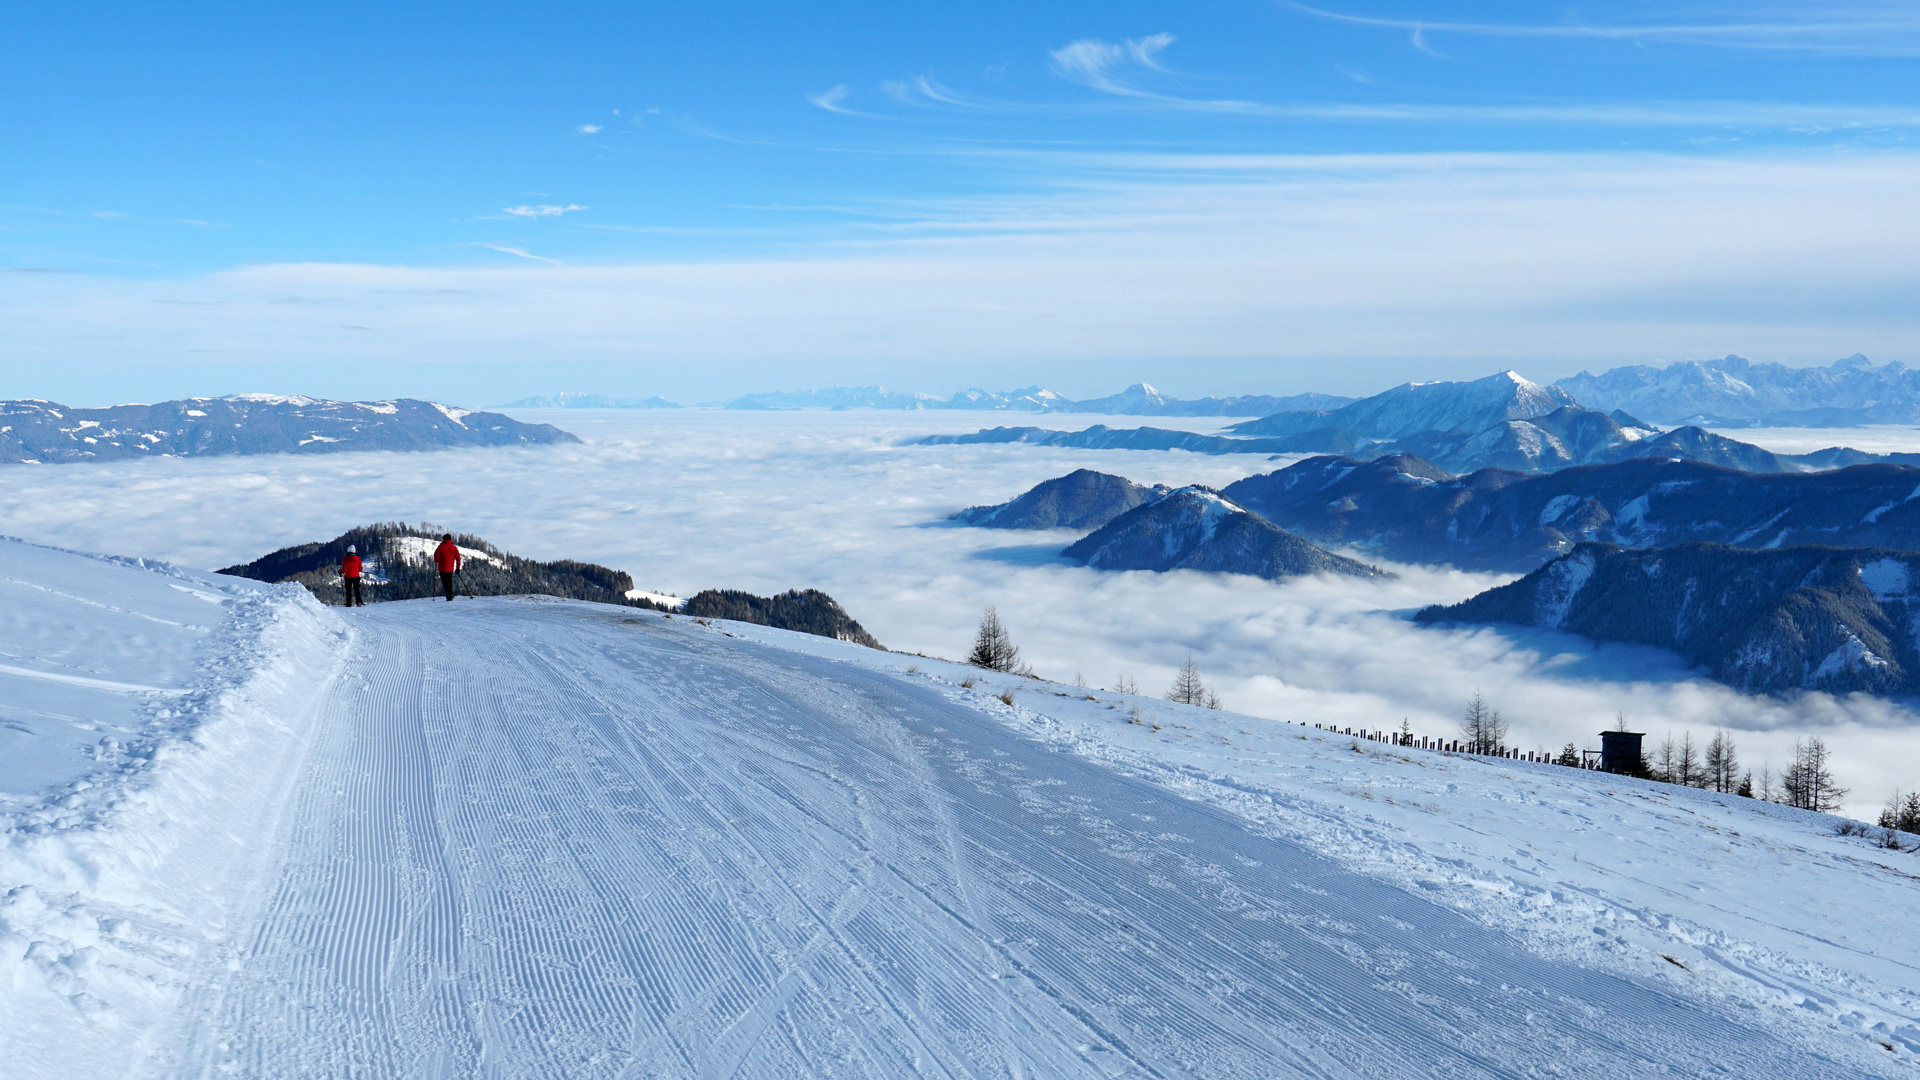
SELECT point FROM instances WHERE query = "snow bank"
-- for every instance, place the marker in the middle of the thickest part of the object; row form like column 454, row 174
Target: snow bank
column 122, row 881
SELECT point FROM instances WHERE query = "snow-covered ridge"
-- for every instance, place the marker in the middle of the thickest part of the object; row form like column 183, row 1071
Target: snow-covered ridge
column 1738, row 392
column 42, row 433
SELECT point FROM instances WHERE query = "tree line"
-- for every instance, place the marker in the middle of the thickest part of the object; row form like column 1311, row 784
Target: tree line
column 1807, row 781
column 993, row 649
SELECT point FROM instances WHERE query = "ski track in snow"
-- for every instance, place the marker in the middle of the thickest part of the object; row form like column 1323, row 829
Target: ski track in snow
column 543, row 839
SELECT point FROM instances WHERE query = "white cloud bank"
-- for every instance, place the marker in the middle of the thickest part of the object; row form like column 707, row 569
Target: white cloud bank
column 1543, row 261
column 768, row 502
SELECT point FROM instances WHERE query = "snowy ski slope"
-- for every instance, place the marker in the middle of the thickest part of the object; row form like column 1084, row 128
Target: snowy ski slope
column 532, row 838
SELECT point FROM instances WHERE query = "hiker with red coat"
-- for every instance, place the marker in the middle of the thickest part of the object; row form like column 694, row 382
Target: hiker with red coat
column 447, row 558
column 350, row 577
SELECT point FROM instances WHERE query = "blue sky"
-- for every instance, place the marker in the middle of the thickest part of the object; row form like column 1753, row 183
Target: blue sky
column 699, row 200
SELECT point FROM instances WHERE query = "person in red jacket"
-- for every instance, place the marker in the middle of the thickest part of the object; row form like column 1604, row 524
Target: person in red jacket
column 350, row 577
column 447, row 558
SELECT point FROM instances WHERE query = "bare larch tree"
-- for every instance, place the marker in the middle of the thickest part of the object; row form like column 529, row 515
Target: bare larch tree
column 994, row 649
column 1481, row 728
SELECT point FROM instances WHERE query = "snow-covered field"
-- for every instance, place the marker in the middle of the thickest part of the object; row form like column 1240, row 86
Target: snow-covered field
column 693, row 499
column 530, row 837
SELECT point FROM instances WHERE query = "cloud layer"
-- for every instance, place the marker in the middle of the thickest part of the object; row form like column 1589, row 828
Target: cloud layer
column 774, row 501
column 1549, row 262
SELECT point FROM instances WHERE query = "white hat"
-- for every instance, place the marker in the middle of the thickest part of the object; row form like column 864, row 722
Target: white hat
column 350, row 549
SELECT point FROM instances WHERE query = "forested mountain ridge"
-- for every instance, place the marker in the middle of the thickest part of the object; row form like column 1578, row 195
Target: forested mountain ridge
column 1410, row 510
column 1838, row 620
column 1082, row 499
column 397, row 565
column 1195, row 528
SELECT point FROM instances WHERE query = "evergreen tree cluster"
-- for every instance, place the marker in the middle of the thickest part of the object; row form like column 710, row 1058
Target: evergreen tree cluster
column 1902, row 812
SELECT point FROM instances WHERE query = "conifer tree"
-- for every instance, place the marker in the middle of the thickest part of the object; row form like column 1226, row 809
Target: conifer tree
column 1723, row 763
column 1569, row 756
column 993, row 647
column 1687, row 762
column 1189, row 689
column 1902, row 812
column 1808, row 778
column 1482, row 729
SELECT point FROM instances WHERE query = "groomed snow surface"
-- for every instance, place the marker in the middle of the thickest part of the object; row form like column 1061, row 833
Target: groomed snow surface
column 522, row 837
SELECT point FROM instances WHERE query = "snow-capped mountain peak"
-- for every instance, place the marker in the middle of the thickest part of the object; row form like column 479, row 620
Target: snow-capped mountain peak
column 1470, row 407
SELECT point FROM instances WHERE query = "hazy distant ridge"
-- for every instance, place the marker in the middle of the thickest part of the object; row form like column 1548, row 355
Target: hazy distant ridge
column 1738, row 392
column 1136, row 400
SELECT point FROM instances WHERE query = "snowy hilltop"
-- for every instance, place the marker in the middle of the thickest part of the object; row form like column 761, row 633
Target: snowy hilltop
column 1811, row 618
column 541, row 838
column 1082, row 499
column 34, row 431
column 397, row 564
column 1734, row 391
column 1194, row 528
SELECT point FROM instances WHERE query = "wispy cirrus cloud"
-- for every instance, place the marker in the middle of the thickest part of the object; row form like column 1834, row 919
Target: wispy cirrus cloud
column 541, row 210
column 1889, row 29
column 833, row 99
column 1126, row 70
column 508, row 249
column 1104, row 65
column 588, row 129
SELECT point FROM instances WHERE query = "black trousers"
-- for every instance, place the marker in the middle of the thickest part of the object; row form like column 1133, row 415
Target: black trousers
column 446, row 582
column 353, row 592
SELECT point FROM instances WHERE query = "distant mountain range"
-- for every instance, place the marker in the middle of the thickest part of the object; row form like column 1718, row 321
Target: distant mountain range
column 398, row 565
column 1195, row 528
column 589, row 401
column 1409, row 510
column 34, row 431
column 1809, row 618
column 1734, row 391
column 1136, row 400
column 1502, row 421
column 1729, row 392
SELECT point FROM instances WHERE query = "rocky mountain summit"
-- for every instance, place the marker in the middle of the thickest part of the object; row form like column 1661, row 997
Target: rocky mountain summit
column 1735, row 391
column 1839, row 620
column 1195, row 528
column 35, row 432
column 1082, row 499
column 1410, row 510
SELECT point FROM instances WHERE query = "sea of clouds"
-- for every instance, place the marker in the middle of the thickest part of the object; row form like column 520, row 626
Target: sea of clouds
column 686, row 500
